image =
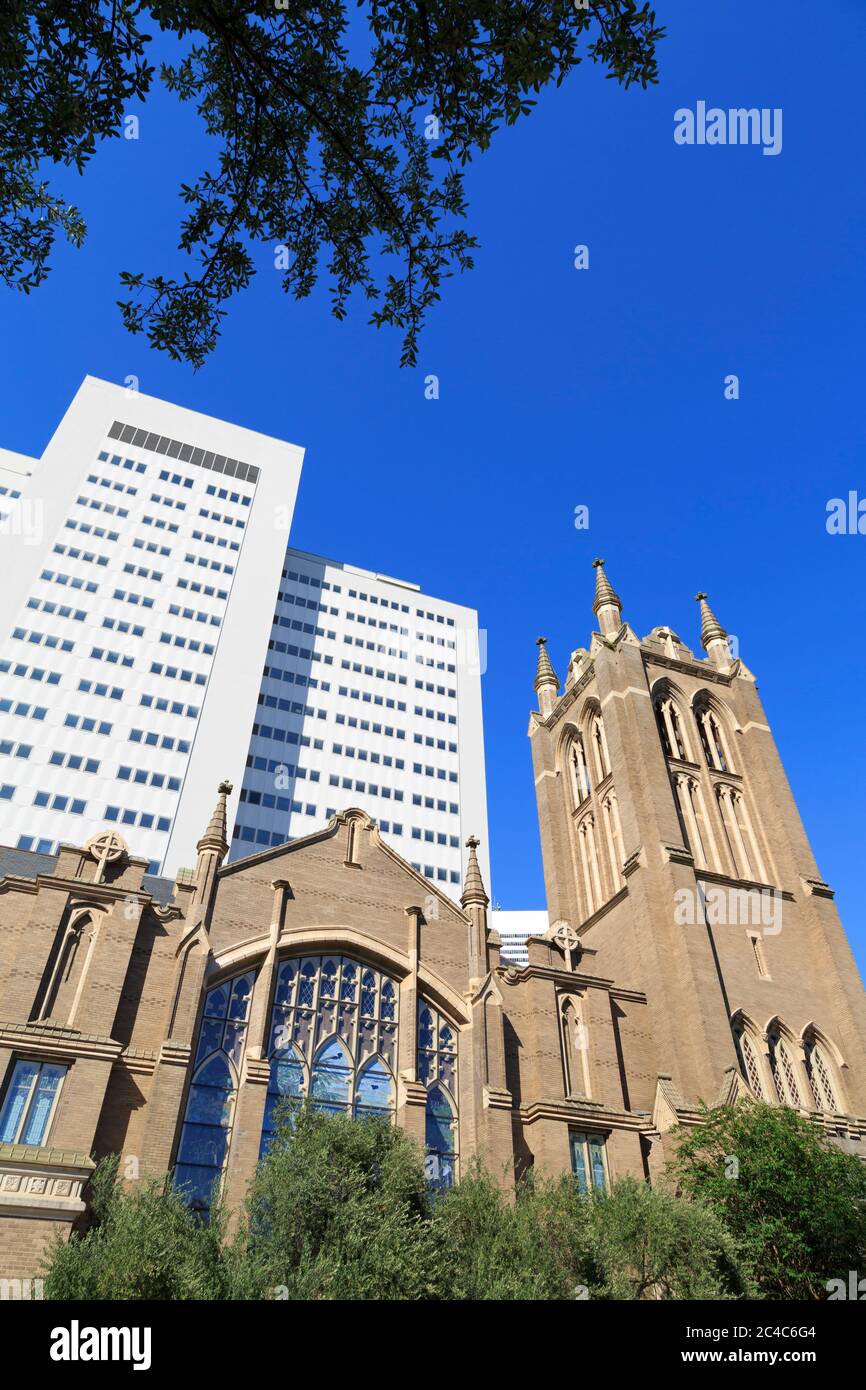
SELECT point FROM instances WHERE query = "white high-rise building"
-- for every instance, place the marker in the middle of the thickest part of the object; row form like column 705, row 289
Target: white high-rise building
column 134, row 561
column 371, row 697
column 156, row 634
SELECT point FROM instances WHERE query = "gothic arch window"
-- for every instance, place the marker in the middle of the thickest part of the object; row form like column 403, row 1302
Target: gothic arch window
column 783, row 1067
column 61, row 986
column 714, row 740
column 694, row 819
column 573, row 1037
column 206, row 1133
column 821, row 1072
column 742, row 842
column 437, row 1070
column 588, row 849
column 333, row 1037
column 598, row 743
column 613, row 839
column 748, row 1051
column 578, row 770
column 672, row 727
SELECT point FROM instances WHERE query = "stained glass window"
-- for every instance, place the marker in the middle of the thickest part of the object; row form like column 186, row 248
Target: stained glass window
column 29, row 1102
column 437, row 1070
column 333, row 1038
column 204, row 1140
column 587, row 1161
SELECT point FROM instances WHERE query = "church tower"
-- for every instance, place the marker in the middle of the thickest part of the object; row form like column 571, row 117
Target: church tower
column 673, row 847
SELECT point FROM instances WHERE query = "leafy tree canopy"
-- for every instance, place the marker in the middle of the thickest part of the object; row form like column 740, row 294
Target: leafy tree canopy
column 794, row 1203
column 341, row 138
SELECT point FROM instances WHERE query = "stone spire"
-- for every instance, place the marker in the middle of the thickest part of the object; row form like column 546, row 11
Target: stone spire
column 608, row 604
column 474, row 903
column 212, row 849
column 214, row 837
column 546, row 680
column 473, row 884
column 714, row 639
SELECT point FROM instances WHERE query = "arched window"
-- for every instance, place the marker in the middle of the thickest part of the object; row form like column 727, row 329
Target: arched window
column 578, row 770
column 599, row 746
column 593, row 895
column 820, row 1073
column 713, row 739
column 672, row 728
column 437, row 1070
column 575, row 1061
column 750, row 1066
column 613, row 839
column 440, row 1139
column 783, row 1070
column 331, row 1084
column 335, row 1020
column 204, row 1140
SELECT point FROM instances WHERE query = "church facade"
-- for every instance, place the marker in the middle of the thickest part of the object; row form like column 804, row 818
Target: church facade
column 694, row 955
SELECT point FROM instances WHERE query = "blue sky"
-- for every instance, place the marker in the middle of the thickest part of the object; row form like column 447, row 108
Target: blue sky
column 561, row 387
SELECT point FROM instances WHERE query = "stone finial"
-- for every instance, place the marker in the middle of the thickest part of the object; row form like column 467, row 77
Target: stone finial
column 473, row 885
column 215, row 835
column 608, row 604
column 714, row 638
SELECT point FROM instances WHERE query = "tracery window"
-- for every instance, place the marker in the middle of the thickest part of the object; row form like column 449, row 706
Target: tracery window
column 749, row 1059
column 782, row 1068
column 333, row 1037
column 820, row 1075
column 437, row 1070
column 204, row 1140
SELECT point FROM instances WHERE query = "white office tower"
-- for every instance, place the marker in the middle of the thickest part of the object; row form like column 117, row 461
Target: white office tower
column 139, row 556
column 156, row 636
column 515, row 929
column 371, row 697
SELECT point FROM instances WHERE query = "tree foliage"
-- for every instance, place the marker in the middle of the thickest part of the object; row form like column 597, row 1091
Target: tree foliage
column 142, row 1244
column 794, row 1203
column 321, row 121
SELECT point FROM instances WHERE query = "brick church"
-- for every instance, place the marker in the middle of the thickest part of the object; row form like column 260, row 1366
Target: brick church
column 694, row 954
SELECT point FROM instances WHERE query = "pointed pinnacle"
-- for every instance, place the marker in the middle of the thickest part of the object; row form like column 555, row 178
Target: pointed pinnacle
column 604, row 591
column 473, row 885
column 215, row 835
column 711, row 628
column 545, row 675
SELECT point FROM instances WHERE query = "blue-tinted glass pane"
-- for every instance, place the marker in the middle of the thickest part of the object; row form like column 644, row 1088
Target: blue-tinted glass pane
column 596, row 1159
column 285, row 980
column 287, row 1076
column 578, row 1161
column 240, row 1001
column 216, row 1073
column 306, row 985
column 348, row 989
column 16, row 1099
column 374, row 1091
column 203, row 1144
column 217, row 1002
column 209, row 1105
column 233, row 1041
column 439, row 1127
column 425, row 1028
column 40, row 1106
column 196, row 1185
column 210, row 1037
column 331, row 1077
